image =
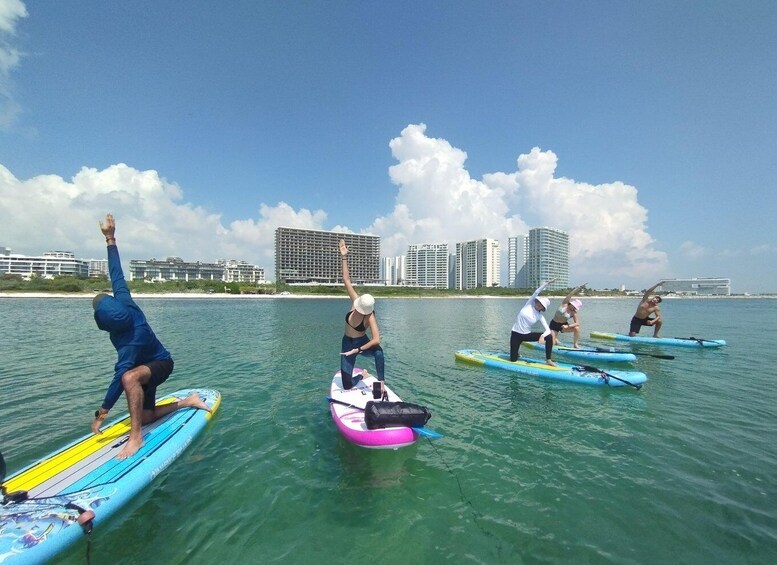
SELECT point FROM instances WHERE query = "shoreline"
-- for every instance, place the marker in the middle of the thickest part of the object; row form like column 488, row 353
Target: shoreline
column 221, row 296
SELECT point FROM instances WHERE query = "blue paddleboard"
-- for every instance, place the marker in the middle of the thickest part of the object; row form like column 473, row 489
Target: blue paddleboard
column 85, row 478
column 671, row 341
column 579, row 374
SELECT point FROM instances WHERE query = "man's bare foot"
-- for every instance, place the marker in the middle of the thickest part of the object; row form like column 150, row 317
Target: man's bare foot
column 576, row 345
column 193, row 401
column 550, row 362
column 130, row 448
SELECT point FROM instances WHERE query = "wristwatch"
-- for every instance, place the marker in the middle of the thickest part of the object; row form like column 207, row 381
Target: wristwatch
column 97, row 413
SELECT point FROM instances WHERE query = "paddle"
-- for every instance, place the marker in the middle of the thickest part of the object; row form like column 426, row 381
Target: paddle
column 698, row 340
column 610, row 376
column 611, row 350
column 421, row 431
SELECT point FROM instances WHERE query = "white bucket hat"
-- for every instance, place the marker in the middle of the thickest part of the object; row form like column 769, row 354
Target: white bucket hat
column 364, row 304
column 544, row 301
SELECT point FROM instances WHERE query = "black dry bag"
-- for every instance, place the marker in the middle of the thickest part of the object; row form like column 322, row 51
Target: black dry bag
column 386, row 414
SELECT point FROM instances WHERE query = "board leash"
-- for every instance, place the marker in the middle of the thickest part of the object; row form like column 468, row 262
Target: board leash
column 476, row 515
column 85, row 517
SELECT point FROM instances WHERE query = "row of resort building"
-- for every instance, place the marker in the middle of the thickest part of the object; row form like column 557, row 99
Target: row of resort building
column 311, row 257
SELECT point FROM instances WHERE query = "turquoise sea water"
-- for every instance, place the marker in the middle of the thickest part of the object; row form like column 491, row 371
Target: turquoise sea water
column 529, row 471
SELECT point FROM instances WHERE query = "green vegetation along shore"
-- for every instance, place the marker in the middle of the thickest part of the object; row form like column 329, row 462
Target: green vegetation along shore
column 10, row 284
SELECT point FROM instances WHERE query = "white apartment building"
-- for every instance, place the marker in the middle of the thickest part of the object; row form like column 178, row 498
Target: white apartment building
column 517, row 257
column 393, row 270
column 242, row 272
column 548, row 258
column 98, row 267
column 427, row 265
column 702, row 286
column 49, row 265
column 478, row 264
column 313, row 256
column 176, row 269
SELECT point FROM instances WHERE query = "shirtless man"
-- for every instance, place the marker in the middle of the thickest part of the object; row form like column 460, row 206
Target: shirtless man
column 649, row 305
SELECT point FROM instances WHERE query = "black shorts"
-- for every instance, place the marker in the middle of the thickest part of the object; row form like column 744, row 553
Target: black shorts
column 637, row 323
column 160, row 370
column 556, row 326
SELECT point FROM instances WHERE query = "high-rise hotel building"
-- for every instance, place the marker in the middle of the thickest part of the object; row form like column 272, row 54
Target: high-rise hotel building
column 427, row 265
column 393, row 269
column 313, row 256
column 517, row 257
column 478, row 264
column 548, row 258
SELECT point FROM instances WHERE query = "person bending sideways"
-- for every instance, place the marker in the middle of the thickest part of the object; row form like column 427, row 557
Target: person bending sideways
column 530, row 314
column 358, row 320
column 567, row 318
column 143, row 363
column 648, row 312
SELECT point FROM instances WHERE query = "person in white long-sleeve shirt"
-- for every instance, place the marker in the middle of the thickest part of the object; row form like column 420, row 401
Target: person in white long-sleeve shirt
column 530, row 314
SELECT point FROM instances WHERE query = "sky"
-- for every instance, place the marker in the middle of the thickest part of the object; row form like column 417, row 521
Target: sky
column 646, row 130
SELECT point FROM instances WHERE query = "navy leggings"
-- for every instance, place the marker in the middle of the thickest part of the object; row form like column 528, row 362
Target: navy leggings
column 517, row 339
column 347, row 362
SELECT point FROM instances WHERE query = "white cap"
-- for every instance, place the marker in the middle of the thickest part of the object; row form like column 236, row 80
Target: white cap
column 544, row 301
column 364, row 304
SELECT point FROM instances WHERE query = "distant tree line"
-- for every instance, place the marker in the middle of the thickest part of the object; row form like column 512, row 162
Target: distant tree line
column 71, row 284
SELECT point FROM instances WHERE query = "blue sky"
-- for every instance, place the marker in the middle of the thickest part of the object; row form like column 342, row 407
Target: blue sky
column 644, row 129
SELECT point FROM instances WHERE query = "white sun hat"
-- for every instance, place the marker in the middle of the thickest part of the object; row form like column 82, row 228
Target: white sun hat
column 365, row 304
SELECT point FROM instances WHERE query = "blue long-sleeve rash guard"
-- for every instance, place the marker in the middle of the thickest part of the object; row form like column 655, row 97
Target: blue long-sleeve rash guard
column 131, row 335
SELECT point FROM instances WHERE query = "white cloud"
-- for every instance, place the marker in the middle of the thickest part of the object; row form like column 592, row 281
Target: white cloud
column 438, row 201
column 152, row 219
column 764, row 249
column 691, row 250
column 10, row 12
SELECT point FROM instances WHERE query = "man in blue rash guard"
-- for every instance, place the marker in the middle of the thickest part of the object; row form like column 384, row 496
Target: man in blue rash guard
column 143, row 362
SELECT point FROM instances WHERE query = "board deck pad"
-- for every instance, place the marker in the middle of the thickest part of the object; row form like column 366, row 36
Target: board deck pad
column 586, row 353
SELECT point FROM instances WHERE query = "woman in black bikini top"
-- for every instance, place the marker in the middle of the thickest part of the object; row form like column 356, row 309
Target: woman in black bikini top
column 355, row 338
column 361, row 327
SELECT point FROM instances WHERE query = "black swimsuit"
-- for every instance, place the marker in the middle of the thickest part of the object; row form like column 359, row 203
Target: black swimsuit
column 360, row 328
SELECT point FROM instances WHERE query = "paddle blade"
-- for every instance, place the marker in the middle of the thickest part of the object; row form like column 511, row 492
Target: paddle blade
column 431, row 434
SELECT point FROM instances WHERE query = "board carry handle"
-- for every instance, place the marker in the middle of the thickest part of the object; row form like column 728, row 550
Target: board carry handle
column 423, row 431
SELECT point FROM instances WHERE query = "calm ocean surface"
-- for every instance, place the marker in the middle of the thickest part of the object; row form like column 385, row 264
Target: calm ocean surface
column 529, row 471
